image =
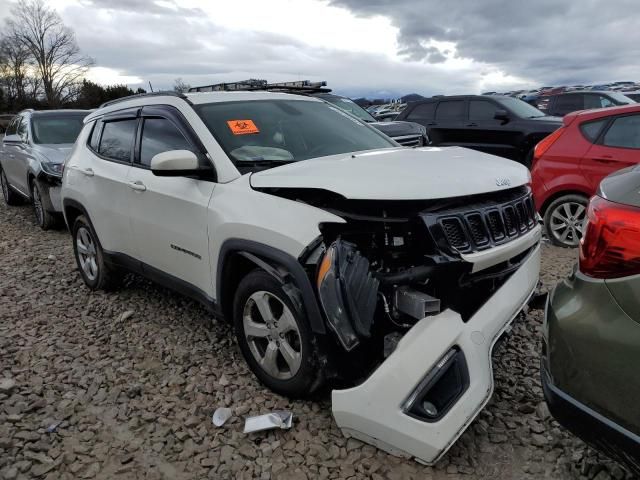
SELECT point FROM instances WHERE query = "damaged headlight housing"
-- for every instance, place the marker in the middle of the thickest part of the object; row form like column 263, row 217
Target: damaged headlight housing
column 53, row 168
column 348, row 292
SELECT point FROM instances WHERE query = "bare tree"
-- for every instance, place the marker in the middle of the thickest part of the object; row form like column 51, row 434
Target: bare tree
column 14, row 63
column 179, row 86
column 53, row 47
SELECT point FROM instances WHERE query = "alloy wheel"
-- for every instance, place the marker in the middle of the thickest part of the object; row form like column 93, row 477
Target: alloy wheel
column 272, row 334
column 567, row 223
column 87, row 254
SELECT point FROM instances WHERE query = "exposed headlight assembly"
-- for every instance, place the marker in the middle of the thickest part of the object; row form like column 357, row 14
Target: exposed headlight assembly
column 53, row 168
column 348, row 292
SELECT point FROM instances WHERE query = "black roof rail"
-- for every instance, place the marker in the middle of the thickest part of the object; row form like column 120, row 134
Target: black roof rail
column 169, row 93
column 299, row 86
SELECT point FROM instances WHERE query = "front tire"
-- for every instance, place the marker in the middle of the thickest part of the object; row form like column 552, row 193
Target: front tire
column 95, row 272
column 274, row 338
column 44, row 219
column 10, row 197
column 564, row 220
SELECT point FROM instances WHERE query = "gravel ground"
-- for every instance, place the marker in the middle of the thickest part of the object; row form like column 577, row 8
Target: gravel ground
column 123, row 385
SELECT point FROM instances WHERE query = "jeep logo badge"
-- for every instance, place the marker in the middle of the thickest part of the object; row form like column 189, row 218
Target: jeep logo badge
column 503, row 182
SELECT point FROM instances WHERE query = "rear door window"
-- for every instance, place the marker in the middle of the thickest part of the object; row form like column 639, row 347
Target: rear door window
column 450, row 110
column 624, row 132
column 117, row 139
column 423, row 111
column 568, row 103
column 591, row 130
column 160, row 135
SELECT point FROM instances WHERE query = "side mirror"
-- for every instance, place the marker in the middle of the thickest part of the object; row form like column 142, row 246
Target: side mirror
column 175, row 163
column 501, row 115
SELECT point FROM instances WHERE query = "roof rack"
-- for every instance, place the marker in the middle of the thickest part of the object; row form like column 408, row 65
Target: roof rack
column 169, row 93
column 300, row 86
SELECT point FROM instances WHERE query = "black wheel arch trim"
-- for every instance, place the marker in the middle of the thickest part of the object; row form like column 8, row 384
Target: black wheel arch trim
column 69, row 202
column 268, row 253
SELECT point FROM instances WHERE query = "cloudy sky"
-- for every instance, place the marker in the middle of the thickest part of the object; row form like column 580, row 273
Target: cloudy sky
column 361, row 47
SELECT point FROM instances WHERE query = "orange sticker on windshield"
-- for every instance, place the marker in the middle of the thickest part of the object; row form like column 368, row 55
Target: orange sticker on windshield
column 242, row 127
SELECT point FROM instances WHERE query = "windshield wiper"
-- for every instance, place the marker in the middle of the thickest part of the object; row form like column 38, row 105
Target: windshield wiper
column 263, row 162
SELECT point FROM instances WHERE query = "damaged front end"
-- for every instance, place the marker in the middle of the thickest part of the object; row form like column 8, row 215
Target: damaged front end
column 416, row 293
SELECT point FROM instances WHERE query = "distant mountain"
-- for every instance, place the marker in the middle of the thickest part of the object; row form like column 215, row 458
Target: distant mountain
column 412, row 97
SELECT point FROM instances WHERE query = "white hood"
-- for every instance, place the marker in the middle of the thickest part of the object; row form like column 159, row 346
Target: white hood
column 399, row 174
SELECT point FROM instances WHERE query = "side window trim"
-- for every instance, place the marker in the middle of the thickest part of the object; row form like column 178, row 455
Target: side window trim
column 97, row 123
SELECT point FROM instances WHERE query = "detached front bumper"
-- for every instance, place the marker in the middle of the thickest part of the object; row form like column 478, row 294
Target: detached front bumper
column 375, row 412
column 50, row 188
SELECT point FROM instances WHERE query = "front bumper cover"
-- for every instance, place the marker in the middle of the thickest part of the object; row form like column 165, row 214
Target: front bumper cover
column 373, row 411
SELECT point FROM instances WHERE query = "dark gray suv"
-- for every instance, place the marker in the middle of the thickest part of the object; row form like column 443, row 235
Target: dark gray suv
column 32, row 156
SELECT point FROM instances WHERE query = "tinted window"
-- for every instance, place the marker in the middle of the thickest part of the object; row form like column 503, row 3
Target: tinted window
column 624, row 132
column 56, row 129
column 117, row 139
column 13, row 126
column 424, row 110
column 592, row 130
column 450, row 109
column 279, row 131
column 160, row 135
column 569, row 103
column 482, row 110
column 519, row 107
column 22, row 129
column 95, row 135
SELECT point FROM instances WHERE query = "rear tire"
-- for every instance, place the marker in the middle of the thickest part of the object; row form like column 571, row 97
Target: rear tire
column 10, row 197
column 274, row 338
column 564, row 220
column 96, row 273
column 44, row 219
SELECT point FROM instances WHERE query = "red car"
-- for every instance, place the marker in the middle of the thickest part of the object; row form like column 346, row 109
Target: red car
column 569, row 164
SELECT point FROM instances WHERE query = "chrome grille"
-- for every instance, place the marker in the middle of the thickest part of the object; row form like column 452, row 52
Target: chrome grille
column 409, row 140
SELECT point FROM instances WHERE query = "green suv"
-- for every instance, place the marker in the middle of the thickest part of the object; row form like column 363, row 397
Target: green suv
column 591, row 346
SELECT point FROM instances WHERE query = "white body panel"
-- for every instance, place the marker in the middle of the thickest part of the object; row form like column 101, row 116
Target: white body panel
column 371, row 411
column 101, row 187
column 399, row 174
column 169, row 225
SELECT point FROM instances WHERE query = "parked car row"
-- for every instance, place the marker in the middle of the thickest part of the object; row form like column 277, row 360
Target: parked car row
column 502, row 126
column 344, row 259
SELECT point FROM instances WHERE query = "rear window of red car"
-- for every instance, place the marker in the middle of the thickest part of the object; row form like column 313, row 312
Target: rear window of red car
column 591, row 130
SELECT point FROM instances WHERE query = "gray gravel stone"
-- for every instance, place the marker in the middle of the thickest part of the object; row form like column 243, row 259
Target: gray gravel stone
column 131, row 377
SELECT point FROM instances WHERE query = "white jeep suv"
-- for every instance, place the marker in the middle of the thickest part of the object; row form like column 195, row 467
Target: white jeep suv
column 339, row 256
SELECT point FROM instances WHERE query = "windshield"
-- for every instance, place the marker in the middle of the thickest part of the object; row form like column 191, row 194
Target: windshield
column 620, row 98
column 518, row 107
column 56, row 129
column 285, row 131
column 349, row 106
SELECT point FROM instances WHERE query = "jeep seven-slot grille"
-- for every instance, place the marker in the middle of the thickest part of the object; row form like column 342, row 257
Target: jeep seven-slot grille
column 480, row 226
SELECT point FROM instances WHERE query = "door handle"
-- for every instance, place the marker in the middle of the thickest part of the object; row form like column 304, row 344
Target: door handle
column 472, row 124
column 11, row 155
column 431, row 124
column 137, row 186
column 605, row 159
column 87, row 171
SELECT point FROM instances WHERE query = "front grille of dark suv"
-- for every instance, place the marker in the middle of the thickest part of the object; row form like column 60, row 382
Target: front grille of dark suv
column 482, row 225
column 409, row 140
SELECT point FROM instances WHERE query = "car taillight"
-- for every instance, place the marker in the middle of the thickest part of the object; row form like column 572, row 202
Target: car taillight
column 544, row 144
column 610, row 246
